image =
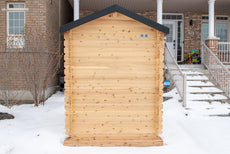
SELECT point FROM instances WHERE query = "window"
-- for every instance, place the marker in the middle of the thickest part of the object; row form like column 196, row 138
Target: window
column 204, row 31
column 205, row 17
column 221, row 28
column 15, row 25
column 169, row 37
column 16, row 6
column 222, row 31
column 172, row 16
column 222, row 18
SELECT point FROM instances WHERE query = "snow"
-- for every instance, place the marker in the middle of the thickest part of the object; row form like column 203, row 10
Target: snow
column 206, row 97
column 196, row 129
column 204, row 90
column 197, row 77
column 199, row 83
column 192, row 72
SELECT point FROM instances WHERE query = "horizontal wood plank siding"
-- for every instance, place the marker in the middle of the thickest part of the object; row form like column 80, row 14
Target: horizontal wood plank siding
column 113, row 83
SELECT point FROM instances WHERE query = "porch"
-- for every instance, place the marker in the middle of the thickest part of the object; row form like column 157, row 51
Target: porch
column 191, row 23
column 188, row 20
column 207, row 82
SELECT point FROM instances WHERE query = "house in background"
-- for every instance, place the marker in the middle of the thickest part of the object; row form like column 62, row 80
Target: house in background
column 188, row 20
column 200, row 25
column 42, row 18
column 190, row 24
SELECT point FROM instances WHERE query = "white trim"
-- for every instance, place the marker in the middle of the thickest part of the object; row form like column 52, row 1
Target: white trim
column 172, row 45
column 76, row 9
column 18, row 37
column 17, row 9
column 176, row 20
column 7, row 18
column 159, row 11
column 174, row 14
column 212, row 38
column 14, row 3
column 211, row 19
column 25, row 9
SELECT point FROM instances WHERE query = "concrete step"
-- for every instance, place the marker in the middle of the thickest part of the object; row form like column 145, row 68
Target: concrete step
column 193, row 66
column 205, row 104
column 228, row 66
column 204, row 90
column 194, row 69
column 197, row 78
column 200, row 84
column 211, row 101
column 206, row 97
column 195, row 72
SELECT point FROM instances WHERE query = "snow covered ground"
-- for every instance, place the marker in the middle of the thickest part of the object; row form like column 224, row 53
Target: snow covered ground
column 195, row 130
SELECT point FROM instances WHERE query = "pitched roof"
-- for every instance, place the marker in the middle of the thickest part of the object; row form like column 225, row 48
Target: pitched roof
column 114, row 8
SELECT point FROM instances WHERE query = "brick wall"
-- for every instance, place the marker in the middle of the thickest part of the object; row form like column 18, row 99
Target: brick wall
column 66, row 17
column 18, row 67
column 35, row 16
column 149, row 14
column 84, row 13
column 2, row 24
column 192, row 33
column 42, row 16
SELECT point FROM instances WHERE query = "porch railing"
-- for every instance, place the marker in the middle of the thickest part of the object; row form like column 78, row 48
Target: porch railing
column 176, row 74
column 217, row 69
column 224, row 52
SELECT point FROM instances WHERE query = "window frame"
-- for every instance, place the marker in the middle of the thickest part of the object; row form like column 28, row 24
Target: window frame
column 227, row 29
column 203, row 39
column 14, row 10
column 8, row 28
column 10, row 36
column 8, row 4
column 217, row 21
column 182, row 20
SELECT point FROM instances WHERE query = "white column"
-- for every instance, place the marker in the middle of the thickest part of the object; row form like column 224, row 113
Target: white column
column 159, row 11
column 211, row 19
column 76, row 9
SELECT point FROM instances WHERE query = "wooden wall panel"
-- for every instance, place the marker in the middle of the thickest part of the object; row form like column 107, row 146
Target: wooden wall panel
column 113, row 83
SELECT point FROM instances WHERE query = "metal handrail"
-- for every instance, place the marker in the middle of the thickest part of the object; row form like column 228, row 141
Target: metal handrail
column 217, row 69
column 176, row 74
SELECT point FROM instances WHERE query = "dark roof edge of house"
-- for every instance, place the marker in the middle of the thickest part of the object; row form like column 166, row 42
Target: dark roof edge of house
column 113, row 8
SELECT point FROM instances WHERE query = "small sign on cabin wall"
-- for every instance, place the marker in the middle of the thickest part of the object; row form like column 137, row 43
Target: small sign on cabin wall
column 144, row 35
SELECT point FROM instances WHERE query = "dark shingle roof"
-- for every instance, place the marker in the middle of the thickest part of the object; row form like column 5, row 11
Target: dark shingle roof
column 114, row 8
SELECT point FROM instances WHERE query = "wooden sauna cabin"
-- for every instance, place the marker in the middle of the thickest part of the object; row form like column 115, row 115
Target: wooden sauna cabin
column 113, row 79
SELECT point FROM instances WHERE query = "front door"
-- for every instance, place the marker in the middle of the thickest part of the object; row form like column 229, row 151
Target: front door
column 171, row 37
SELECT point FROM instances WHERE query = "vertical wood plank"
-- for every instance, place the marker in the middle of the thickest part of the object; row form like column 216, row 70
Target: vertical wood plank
column 71, row 80
column 66, row 71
